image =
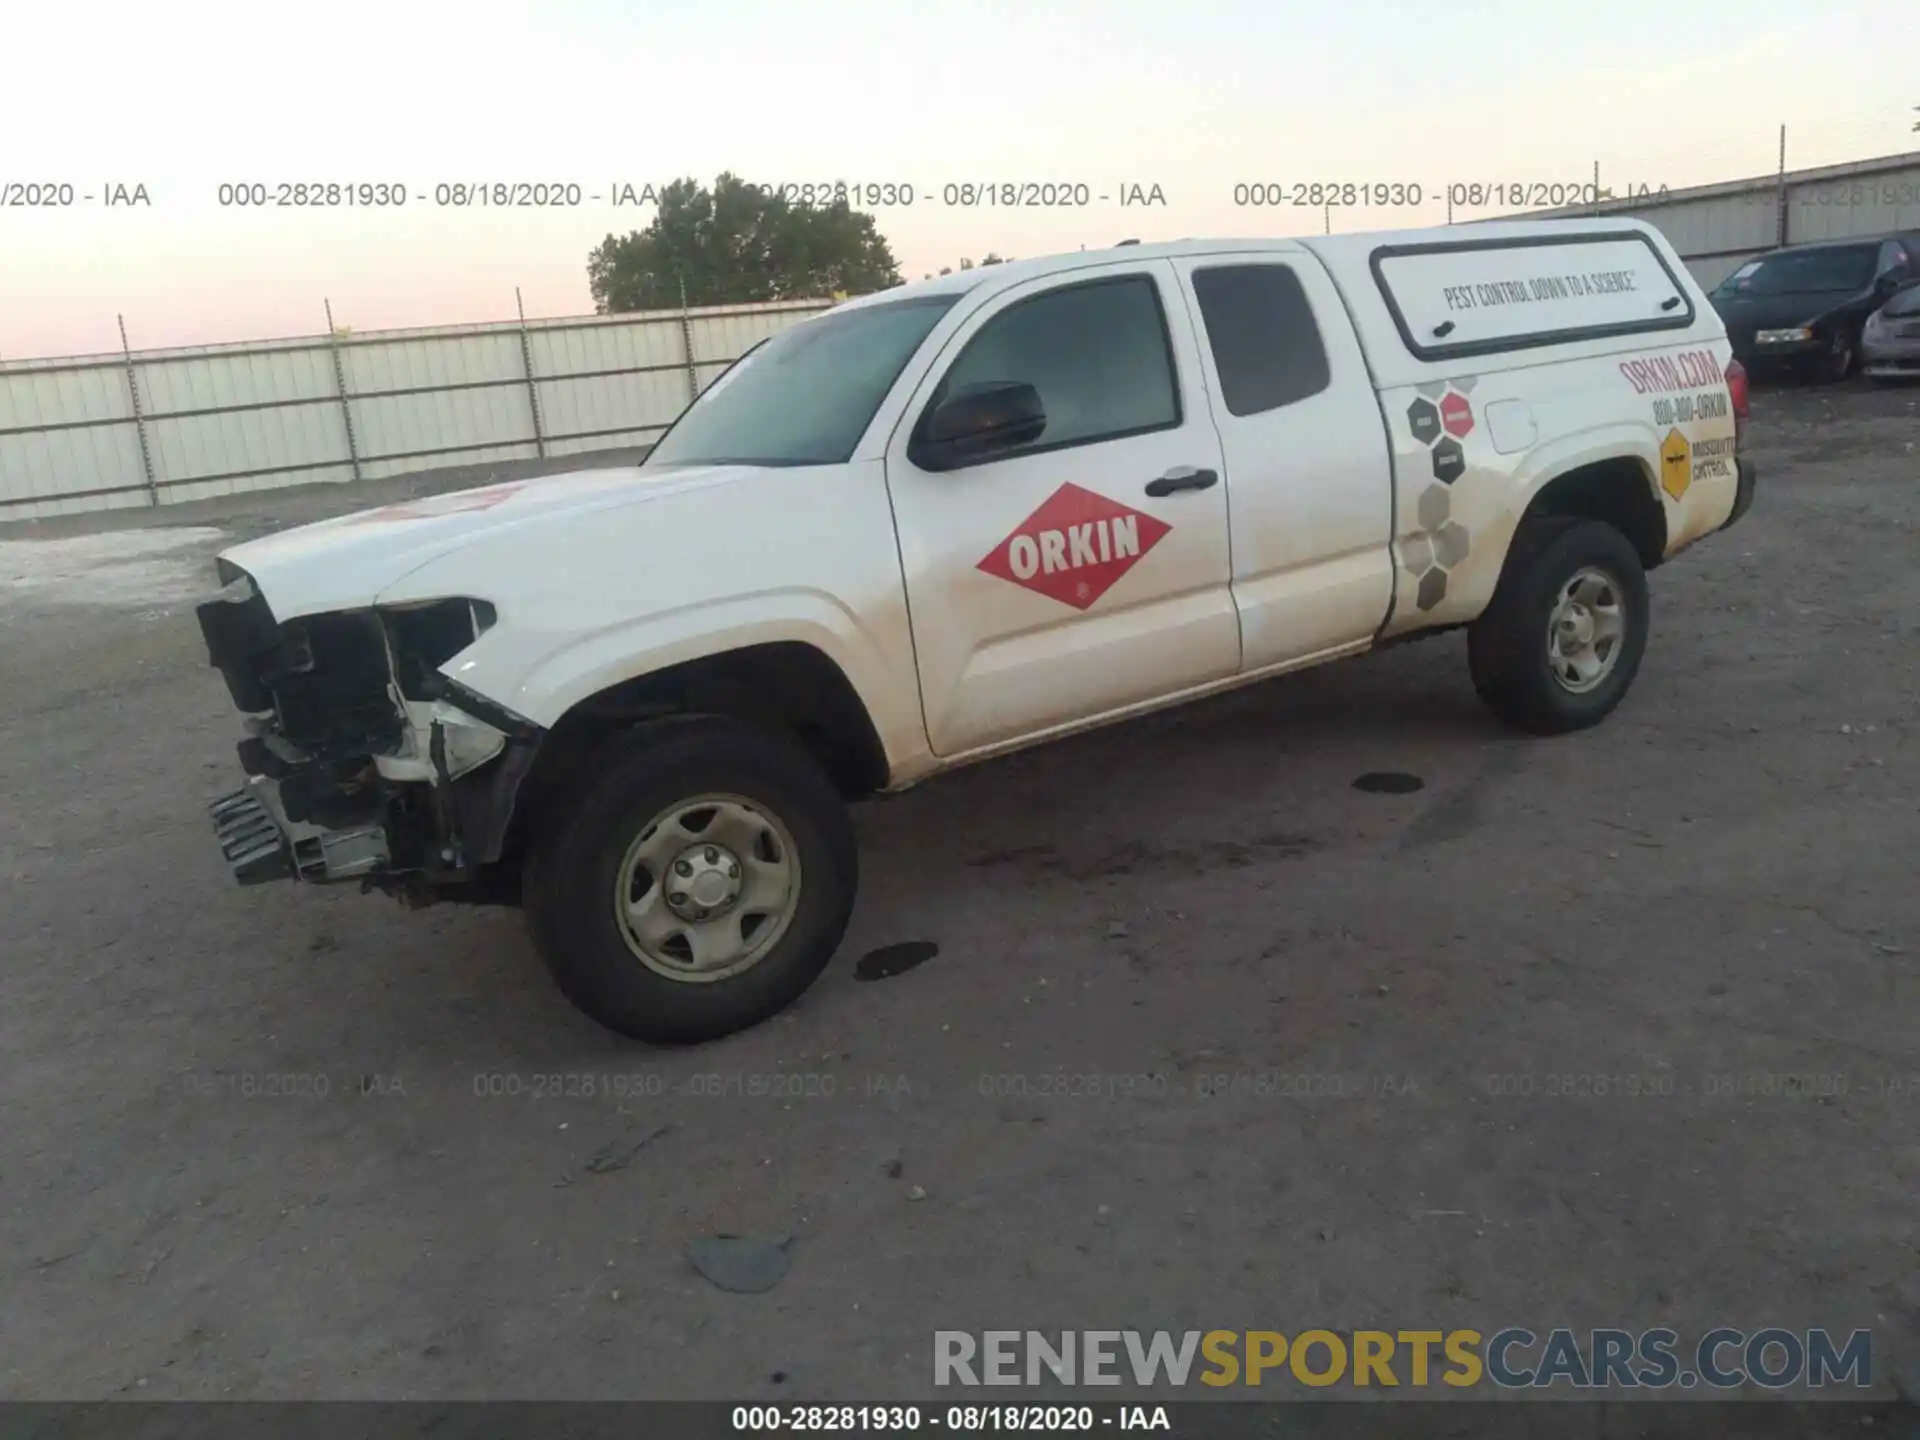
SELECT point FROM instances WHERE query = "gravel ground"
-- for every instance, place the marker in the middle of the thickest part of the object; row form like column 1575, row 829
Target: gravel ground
column 1714, row 888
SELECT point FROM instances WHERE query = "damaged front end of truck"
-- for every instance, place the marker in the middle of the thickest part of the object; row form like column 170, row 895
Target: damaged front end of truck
column 364, row 761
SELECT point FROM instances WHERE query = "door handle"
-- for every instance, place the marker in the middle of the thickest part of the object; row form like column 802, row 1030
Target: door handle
column 1182, row 477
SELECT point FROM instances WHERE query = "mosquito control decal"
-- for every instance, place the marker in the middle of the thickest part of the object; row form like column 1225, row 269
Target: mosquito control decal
column 1075, row 547
column 1676, row 464
column 1713, row 459
column 1688, row 398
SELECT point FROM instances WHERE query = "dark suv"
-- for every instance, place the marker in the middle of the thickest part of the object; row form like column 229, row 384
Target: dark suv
column 1803, row 307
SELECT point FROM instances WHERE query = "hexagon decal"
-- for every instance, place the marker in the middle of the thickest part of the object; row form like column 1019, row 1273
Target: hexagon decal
column 1433, row 507
column 1456, row 414
column 1450, row 544
column 1433, row 589
column 1417, row 551
column 1424, row 420
column 1449, row 461
column 1676, row 464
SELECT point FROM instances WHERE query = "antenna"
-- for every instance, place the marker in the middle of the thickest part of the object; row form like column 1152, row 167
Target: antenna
column 1128, row 242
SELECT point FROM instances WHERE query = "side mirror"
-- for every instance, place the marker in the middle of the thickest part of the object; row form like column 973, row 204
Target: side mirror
column 977, row 422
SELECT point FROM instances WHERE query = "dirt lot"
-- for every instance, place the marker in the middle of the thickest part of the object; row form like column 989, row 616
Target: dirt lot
column 1715, row 888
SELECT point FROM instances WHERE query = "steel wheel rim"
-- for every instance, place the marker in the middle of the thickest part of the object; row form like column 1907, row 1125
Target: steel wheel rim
column 1586, row 630
column 707, row 888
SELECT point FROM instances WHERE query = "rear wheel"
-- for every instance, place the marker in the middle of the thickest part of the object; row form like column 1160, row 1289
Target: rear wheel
column 696, row 884
column 1559, row 645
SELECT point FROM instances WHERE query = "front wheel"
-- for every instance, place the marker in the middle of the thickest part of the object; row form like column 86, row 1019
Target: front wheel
column 1836, row 361
column 694, row 886
column 1560, row 643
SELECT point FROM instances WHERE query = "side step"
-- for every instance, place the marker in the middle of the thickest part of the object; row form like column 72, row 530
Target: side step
column 255, row 849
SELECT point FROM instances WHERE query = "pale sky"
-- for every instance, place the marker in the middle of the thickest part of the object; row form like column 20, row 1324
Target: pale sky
column 1194, row 98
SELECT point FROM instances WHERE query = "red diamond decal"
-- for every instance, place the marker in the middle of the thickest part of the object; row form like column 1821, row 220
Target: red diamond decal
column 1456, row 414
column 1075, row 547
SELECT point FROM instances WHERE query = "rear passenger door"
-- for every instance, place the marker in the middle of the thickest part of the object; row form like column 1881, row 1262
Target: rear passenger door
column 1309, row 474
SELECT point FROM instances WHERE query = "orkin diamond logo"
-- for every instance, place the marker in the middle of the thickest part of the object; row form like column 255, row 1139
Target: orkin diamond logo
column 1075, row 547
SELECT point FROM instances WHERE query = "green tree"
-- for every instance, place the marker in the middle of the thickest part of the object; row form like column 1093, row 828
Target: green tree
column 992, row 258
column 739, row 243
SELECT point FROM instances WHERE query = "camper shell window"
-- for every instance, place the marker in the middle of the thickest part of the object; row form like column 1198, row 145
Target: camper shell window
column 1458, row 298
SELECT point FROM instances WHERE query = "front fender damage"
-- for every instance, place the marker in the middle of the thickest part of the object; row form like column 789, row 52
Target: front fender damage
column 363, row 760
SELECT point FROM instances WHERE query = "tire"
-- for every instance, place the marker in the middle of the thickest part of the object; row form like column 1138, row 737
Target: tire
column 1842, row 353
column 770, row 799
column 1510, row 648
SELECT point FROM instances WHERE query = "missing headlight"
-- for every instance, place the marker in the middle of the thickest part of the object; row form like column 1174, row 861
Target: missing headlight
column 329, row 682
column 425, row 637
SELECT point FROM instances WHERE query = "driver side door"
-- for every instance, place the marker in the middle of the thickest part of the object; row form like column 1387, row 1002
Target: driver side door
column 1086, row 571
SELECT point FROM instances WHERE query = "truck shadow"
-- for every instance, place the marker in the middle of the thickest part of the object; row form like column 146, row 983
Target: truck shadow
column 1238, row 783
column 1399, row 711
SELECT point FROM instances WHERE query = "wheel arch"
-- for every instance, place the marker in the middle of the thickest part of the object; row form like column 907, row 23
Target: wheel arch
column 1620, row 490
column 1608, row 475
column 787, row 686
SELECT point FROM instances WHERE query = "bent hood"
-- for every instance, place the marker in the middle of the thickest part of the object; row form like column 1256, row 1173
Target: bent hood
column 344, row 563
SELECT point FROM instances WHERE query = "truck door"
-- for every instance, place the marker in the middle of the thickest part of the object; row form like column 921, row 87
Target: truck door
column 1087, row 571
column 1306, row 454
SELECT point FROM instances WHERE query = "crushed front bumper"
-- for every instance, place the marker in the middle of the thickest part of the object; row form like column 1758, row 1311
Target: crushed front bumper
column 260, row 843
column 250, row 839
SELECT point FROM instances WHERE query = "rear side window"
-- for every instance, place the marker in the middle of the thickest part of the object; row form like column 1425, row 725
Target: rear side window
column 1265, row 343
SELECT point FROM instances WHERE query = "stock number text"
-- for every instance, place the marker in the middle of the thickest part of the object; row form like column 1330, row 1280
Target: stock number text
column 311, row 195
column 1273, row 194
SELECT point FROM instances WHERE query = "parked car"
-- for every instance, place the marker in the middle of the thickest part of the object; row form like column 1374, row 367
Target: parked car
column 1890, row 340
column 952, row 520
column 1804, row 307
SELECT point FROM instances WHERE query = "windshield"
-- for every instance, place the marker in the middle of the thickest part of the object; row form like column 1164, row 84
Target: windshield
column 806, row 396
column 1802, row 272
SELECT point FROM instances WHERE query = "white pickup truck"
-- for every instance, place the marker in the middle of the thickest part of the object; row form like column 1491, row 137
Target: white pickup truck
column 949, row 520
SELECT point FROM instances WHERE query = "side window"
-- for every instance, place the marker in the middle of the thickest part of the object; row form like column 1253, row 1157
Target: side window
column 1265, row 343
column 1098, row 354
column 1894, row 259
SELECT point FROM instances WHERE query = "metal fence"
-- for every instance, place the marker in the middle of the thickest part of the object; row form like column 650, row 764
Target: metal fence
column 147, row 428
column 1718, row 228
